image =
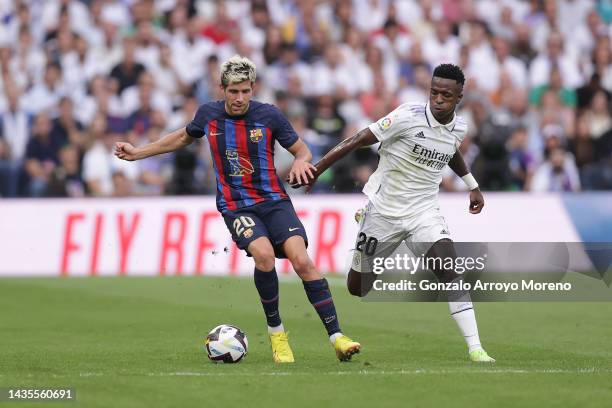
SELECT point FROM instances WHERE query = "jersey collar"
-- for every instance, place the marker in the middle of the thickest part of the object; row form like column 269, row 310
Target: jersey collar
column 431, row 120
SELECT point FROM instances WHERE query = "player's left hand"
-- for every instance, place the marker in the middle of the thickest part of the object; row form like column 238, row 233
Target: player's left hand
column 476, row 201
column 301, row 172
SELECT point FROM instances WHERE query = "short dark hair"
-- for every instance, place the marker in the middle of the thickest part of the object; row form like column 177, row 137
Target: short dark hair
column 450, row 71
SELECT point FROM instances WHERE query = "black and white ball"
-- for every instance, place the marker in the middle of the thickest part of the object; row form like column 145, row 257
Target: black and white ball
column 226, row 344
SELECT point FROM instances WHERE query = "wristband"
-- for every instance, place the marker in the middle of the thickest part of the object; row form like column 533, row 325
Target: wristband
column 470, row 181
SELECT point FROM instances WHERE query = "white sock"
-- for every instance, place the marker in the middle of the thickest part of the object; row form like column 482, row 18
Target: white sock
column 463, row 313
column 334, row 336
column 278, row 329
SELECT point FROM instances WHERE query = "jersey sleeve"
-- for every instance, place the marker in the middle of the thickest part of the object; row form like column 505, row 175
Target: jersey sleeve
column 195, row 128
column 282, row 129
column 460, row 131
column 393, row 124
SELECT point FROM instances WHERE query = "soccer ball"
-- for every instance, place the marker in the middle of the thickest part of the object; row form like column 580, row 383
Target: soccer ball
column 226, row 344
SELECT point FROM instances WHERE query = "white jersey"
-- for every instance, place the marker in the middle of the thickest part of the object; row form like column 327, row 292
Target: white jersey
column 414, row 150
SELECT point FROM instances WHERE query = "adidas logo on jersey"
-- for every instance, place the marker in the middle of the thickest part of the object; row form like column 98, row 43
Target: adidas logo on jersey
column 420, row 135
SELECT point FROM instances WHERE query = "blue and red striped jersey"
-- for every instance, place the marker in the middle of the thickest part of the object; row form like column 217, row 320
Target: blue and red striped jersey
column 242, row 149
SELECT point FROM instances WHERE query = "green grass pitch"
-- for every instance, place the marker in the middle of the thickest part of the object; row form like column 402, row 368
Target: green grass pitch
column 137, row 342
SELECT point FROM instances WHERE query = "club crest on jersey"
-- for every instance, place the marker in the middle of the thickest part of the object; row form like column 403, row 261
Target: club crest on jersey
column 256, row 135
column 385, row 123
column 239, row 165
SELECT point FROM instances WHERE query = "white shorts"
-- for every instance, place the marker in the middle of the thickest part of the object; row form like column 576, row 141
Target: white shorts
column 380, row 236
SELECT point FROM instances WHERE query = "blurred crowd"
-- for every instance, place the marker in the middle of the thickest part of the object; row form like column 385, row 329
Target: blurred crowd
column 79, row 75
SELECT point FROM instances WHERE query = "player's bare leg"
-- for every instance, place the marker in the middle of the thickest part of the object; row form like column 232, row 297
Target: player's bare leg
column 263, row 253
column 319, row 295
column 460, row 303
column 295, row 249
column 266, row 282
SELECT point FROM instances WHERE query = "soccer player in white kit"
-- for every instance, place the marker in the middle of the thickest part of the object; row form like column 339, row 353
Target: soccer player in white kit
column 416, row 142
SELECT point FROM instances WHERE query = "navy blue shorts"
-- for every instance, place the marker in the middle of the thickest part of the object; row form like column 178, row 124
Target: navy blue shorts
column 275, row 220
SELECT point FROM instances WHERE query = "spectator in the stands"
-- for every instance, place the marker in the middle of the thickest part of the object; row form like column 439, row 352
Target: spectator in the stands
column 41, row 155
column 65, row 179
column 128, row 70
column 558, row 173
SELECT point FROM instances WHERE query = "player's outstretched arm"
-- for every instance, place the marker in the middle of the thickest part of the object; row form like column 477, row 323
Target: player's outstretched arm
column 363, row 138
column 457, row 164
column 169, row 143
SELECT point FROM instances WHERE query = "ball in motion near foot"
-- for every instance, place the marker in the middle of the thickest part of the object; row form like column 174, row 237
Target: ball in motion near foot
column 226, row 344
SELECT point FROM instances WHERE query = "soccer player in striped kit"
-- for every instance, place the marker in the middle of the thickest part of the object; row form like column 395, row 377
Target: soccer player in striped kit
column 250, row 196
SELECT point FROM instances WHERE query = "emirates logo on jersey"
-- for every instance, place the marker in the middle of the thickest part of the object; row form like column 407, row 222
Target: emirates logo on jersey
column 239, row 166
column 255, row 135
column 430, row 157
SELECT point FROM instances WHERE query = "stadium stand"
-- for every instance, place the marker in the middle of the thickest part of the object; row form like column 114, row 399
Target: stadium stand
column 76, row 76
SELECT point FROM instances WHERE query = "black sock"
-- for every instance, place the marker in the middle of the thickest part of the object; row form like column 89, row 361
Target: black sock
column 267, row 286
column 319, row 295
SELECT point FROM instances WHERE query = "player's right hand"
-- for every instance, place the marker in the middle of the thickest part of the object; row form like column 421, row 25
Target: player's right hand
column 308, row 181
column 125, row 151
